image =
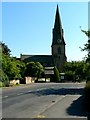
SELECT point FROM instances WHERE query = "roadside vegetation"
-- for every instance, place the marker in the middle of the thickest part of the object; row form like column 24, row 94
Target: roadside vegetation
column 77, row 71
column 87, row 96
column 11, row 68
column 87, row 86
column 34, row 69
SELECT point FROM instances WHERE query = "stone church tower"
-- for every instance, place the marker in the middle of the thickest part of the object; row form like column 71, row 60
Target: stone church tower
column 58, row 43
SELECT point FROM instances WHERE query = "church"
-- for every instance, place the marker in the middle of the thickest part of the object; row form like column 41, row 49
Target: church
column 58, row 56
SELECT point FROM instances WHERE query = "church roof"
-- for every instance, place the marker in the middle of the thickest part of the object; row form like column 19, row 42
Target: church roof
column 46, row 60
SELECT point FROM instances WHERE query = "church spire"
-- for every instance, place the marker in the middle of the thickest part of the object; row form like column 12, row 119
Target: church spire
column 58, row 24
column 57, row 30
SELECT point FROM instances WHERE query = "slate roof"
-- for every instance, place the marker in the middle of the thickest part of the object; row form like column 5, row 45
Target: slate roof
column 45, row 60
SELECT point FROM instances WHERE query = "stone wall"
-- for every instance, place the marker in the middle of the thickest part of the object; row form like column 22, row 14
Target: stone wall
column 14, row 82
column 28, row 80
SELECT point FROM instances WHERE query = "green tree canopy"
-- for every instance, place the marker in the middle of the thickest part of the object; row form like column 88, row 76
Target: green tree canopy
column 34, row 69
column 5, row 49
column 10, row 68
column 87, row 45
column 76, row 68
column 56, row 75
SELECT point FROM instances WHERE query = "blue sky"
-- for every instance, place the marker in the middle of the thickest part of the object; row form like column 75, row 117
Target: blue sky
column 27, row 27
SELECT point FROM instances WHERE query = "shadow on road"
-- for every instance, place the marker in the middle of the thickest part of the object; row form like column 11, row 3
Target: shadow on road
column 62, row 91
column 77, row 107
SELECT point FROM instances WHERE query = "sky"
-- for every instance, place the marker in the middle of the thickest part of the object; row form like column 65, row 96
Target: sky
column 27, row 27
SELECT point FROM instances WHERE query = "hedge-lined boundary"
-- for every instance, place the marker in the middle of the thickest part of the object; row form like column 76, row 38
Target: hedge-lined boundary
column 87, row 96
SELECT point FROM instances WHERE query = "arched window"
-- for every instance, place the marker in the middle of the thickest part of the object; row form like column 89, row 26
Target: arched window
column 59, row 50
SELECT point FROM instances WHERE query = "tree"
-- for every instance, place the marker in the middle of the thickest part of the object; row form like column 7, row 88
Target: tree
column 56, row 75
column 9, row 66
column 87, row 45
column 40, row 69
column 5, row 49
column 34, row 69
column 75, row 69
column 21, row 66
column 70, row 70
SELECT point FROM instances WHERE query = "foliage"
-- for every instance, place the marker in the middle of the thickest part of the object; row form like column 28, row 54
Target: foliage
column 34, row 69
column 87, row 96
column 9, row 66
column 40, row 69
column 5, row 49
column 56, row 75
column 86, row 32
column 21, row 67
column 87, row 45
column 1, row 84
column 77, row 70
column 11, row 69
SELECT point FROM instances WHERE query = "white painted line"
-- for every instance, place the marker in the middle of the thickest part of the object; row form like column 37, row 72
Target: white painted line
column 38, row 89
column 41, row 89
column 29, row 91
column 5, row 96
column 19, row 93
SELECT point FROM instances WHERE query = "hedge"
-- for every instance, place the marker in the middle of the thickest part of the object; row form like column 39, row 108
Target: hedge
column 87, row 96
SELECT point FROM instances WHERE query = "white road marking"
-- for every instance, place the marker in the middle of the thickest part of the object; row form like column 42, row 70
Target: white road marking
column 5, row 96
column 29, row 91
column 41, row 89
column 20, row 93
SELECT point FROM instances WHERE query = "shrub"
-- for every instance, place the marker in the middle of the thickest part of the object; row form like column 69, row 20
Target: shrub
column 56, row 74
column 88, row 79
column 87, row 96
column 1, row 84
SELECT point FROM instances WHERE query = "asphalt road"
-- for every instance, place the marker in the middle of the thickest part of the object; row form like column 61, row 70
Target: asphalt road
column 44, row 100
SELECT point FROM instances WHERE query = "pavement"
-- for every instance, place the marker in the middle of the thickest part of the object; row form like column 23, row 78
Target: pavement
column 66, row 107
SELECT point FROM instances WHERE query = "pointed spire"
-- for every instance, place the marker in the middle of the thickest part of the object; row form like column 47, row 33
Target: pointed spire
column 57, row 24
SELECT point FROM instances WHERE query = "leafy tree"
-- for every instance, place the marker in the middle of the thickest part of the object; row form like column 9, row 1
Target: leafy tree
column 40, row 69
column 74, row 69
column 87, row 45
column 21, row 66
column 34, row 69
column 70, row 70
column 30, row 69
column 5, row 49
column 10, row 69
column 86, row 69
column 56, row 75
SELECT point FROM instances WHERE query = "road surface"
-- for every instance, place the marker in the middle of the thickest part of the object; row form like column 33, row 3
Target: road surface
column 44, row 100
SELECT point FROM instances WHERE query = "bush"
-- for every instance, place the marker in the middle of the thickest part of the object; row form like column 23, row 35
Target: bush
column 56, row 75
column 88, row 79
column 87, row 96
column 4, row 84
column 1, row 84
